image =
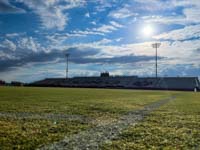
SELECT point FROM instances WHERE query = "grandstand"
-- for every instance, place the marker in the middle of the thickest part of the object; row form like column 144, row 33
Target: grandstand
column 126, row 82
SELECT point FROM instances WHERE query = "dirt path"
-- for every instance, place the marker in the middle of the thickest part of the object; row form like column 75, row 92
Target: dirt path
column 93, row 138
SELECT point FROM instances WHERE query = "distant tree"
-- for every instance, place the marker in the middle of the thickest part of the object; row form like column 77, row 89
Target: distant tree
column 2, row 82
column 17, row 83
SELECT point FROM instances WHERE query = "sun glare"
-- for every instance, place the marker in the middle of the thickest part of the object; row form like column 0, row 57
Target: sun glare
column 147, row 30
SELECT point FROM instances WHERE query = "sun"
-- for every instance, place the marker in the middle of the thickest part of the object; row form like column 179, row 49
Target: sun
column 147, row 30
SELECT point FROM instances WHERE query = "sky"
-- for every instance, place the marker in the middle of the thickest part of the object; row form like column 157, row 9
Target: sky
column 99, row 35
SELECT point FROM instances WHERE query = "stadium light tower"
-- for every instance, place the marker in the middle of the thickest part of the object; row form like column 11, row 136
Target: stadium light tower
column 156, row 46
column 67, row 62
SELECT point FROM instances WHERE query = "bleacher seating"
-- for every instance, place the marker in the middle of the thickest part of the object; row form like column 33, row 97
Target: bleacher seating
column 130, row 82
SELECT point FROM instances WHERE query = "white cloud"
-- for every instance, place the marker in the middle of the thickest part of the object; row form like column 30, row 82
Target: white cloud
column 9, row 45
column 105, row 29
column 102, row 42
column 13, row 35
column 154, row 5
column 102, row 30
column 6, row 56
column 28, row 43
column 122, row 13
column 93, row 22
column 185, row 33
column 69, row 4
column 51, row 12
column 103, row 4
column 87, row 15
column 86, row 33
column 190, row 12
column 165, row 19
column 118, row 39
column 185, row 3
column 56, row 40
column 116, row 24
column 176, row 52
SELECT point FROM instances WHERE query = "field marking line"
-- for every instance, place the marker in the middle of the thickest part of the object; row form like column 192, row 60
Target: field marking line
column 45, row 116
column 94, row 137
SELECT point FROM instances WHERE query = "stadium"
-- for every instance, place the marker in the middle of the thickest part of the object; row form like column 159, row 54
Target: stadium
column 124, row 82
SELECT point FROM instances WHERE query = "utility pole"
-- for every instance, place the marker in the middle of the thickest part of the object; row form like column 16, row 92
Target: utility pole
column 67, row 62
column 156, row 46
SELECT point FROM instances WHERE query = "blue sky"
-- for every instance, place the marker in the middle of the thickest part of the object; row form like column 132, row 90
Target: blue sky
column 100, row 35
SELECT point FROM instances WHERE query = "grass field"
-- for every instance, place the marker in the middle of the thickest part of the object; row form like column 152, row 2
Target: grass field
column 173, row 125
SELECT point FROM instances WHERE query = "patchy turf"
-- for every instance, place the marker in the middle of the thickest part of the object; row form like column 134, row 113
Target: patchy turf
column 95, row 137
column 29, row 134
column 173, row 126
column 74, row 101
column 98, row 105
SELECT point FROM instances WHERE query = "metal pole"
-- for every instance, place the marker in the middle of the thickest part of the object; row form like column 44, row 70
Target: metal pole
column 156, row 46
column 67, row 64
column 67, row 67
column 156, row 62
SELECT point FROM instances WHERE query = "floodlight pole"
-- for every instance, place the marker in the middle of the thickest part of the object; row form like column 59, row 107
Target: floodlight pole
column 156, row 62
column 156, row 46
column 67, row 62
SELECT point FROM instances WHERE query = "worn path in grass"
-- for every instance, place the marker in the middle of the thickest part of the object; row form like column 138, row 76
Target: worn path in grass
column 93, row 138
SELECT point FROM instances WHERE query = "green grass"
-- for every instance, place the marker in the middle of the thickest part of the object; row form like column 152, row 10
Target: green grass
column 101, row 105
column 173, row 126
column 29, row 134
column 74, row 101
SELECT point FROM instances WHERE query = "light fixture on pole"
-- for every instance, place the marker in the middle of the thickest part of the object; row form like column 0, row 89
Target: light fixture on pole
column 156, row 46
column 67, row 62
